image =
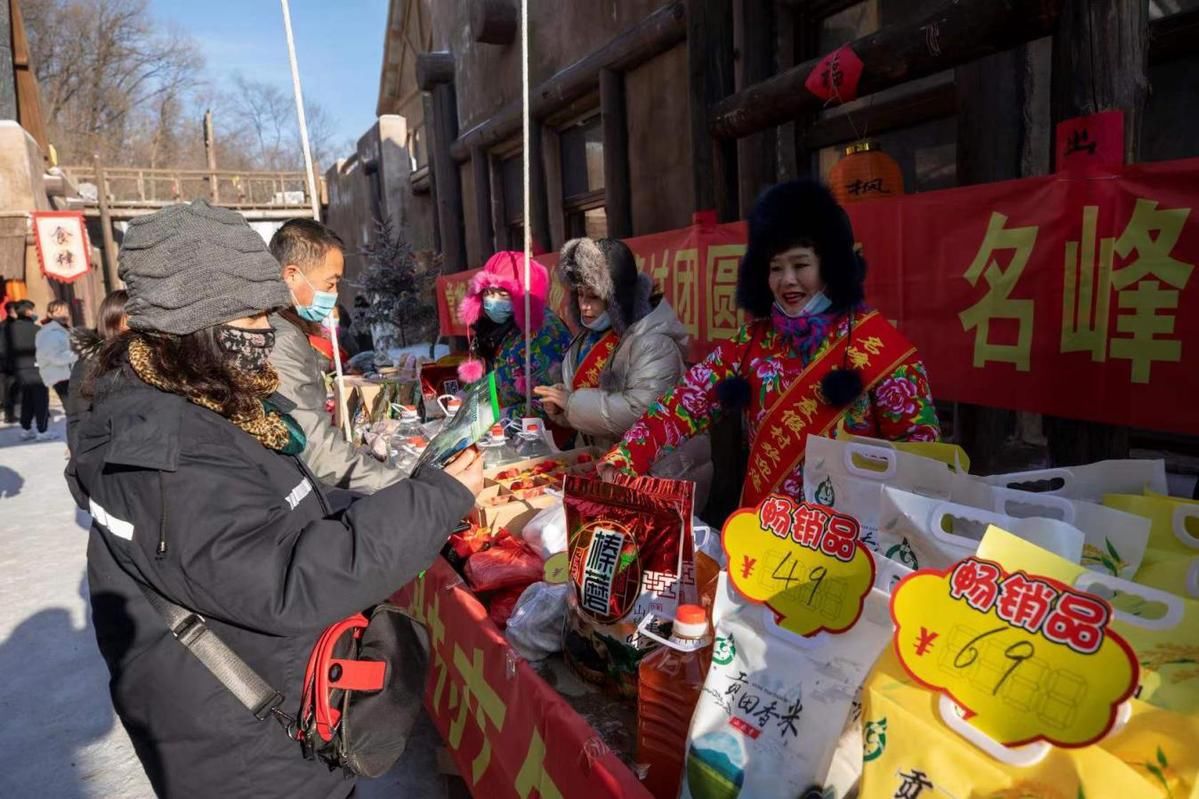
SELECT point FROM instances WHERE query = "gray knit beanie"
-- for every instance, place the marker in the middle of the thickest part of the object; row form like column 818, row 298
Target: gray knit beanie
column 188, row 267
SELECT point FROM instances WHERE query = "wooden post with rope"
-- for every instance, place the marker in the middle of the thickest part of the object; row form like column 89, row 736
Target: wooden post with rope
column 111, row 281
column 214, row 194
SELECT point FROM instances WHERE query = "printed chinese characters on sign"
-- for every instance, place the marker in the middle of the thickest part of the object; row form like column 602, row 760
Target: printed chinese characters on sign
column 1026, row 657
column 1137, row 265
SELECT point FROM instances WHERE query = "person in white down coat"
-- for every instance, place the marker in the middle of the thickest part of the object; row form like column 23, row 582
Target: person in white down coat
column 630, row 351
column 55, row 357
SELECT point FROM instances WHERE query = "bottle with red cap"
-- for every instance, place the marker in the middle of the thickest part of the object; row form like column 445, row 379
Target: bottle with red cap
column 530, row 441
column 670, row 680
column 495, row 448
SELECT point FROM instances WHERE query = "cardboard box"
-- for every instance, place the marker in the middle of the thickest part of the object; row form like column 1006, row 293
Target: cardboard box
column 513, row 514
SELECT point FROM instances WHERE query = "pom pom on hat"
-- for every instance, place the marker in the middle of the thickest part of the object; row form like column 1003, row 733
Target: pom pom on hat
column 733, row 393
column 471, row 370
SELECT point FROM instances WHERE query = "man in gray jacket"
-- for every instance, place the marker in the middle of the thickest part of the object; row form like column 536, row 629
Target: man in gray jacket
column 310, row 255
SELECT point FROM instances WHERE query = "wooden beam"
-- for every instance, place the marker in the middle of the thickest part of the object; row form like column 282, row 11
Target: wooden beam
column 499, row 223
column 959, row 32
column 551, row 156
column 618, row 193
column 653, row 35
column 1173, row 36
column 538, row 200
column 480, row 164
column 434, row 69
column 1100, row 61
column 757, row 164
column 112, row 281
column 448, row 182
column 710, row 78
column 493, row 21
column 932, row 101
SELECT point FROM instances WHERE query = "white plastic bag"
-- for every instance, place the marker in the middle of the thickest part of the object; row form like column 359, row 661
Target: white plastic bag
column 546, row 532
column 1089, row 482
column 850, row 475
column 924, row 533
column 774, row 704
column 535, row 626
column 1114, row 541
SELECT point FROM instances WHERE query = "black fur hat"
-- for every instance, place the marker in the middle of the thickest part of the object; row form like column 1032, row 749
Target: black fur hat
column 800, row 213
column 608, row 268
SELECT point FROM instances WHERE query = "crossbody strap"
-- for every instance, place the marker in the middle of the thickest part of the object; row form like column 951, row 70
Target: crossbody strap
column 246, row 685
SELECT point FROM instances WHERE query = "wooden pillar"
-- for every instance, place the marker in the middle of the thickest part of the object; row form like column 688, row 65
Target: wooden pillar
column 1100, row 62
column 112, row 281
column 427, row 110
column 539, row 205
column 990, row 147
column 214, row 192
column 480, row 165
column 435, row 73
column 618, row 196
column 757, row 167
column 710, row 79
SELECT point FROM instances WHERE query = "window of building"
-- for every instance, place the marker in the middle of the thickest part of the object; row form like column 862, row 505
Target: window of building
column 582, row 150
column 1166, row 8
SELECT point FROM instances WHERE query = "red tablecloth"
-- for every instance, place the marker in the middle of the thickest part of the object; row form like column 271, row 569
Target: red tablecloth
column 510, row 733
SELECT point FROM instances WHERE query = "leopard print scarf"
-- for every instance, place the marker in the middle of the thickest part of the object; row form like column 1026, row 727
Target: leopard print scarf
column 268, row 427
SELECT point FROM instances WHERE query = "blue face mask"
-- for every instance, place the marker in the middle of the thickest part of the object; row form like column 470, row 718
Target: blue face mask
column 323, row 303
column 817, row 303
column 498, row 309
column 601, row 322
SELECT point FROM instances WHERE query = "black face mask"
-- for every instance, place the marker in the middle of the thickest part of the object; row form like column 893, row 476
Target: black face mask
column 250, row 347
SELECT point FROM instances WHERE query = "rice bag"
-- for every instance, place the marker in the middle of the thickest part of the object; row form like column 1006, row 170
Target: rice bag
column 925, row 533
column 1089, row 482
column 848, row 476
column 774, row 703
column 630, row 554
column 1171, row 560
column 1114, row 541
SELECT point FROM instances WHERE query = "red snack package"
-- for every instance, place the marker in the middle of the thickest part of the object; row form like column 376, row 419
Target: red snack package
column 505, row 563
column 628, row 545
column 501, row 603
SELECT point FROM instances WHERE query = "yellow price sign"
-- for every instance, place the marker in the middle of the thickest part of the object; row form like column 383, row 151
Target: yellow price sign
column 1026, row 657
column 802, row 561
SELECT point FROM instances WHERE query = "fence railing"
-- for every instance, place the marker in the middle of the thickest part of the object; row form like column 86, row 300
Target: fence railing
column 133, row 187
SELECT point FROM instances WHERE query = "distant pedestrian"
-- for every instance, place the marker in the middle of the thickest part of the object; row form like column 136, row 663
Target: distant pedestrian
column 111, row 321
column 9, row 390
column 54, row 354
column 21, row 349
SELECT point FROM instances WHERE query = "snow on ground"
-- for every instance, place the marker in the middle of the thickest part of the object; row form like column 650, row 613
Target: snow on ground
column 56, row 721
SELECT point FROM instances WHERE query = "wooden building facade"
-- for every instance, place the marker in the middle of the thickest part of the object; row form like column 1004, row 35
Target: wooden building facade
column 645, row 112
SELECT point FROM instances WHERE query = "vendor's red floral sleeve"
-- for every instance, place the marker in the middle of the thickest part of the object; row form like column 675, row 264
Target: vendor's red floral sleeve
column 684, row 411
column 903, row 405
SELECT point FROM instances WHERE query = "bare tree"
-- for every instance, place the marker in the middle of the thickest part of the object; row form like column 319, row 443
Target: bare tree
column 108, row 73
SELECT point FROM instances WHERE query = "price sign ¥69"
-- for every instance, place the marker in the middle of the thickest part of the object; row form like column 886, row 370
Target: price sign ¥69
column 802, row 561
column 1027, row 658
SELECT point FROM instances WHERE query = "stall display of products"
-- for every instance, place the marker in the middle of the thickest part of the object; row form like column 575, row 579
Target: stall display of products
column 757, row 710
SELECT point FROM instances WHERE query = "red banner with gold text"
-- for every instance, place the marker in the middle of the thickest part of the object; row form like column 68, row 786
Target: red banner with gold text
column 1069, row 294
column 510, row 734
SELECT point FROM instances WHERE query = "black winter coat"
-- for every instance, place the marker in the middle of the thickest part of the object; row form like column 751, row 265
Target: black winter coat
column 18, row 349
column 186, row 501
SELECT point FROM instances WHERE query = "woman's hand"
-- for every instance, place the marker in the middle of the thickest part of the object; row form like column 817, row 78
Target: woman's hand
column 555, row 396
column 467, row 468
column 606, row 471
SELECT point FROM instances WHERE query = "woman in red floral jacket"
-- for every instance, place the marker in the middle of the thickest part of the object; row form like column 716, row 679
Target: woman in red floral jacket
column 814, row 360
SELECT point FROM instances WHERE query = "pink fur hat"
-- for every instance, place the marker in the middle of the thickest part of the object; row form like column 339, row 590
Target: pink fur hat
column 504, row 270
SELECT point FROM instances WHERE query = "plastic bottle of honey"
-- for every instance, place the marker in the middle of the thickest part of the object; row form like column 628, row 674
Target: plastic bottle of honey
column 670, row 681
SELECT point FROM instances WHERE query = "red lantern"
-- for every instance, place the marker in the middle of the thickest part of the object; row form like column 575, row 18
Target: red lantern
column 865, row 173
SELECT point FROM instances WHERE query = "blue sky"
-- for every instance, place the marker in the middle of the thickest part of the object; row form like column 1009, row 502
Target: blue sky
column 339, row 45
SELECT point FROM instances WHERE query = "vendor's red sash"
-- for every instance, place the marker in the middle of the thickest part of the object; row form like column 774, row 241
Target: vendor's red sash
column 587, row 375
column 325, row 347
column 877, row 350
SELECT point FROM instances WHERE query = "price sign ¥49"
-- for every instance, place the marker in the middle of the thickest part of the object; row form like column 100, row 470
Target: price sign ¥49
column 1027, row 657
column 802, row 561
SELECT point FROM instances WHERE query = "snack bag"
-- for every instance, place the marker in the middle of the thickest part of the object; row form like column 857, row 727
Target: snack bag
column 951, row 455
column 1089, row 482
column 629, row 546
column 932, row 533
column 849, row 476
column 1113, row 541
column 774, row 703
column 1172, row 558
